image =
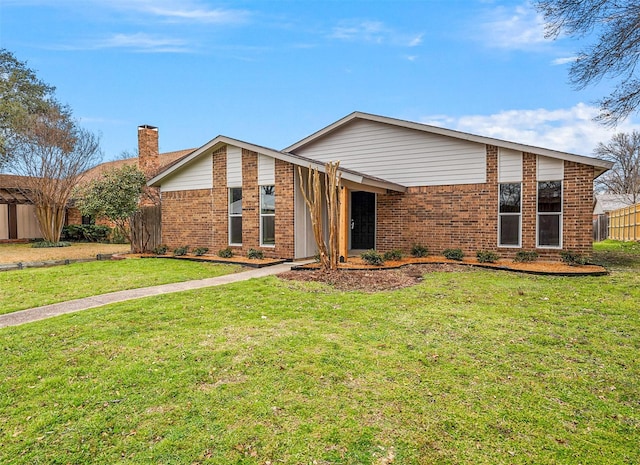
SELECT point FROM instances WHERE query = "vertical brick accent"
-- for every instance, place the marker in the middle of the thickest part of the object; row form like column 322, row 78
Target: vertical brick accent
column 529, row 203
column 250, row 201
column 285, row 191
column 220, row 201
column 577, row 223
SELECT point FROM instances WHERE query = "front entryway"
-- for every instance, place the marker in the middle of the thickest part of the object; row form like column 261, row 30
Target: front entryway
column 363, row 220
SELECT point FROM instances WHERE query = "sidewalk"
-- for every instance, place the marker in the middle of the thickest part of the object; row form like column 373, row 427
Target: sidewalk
column 48, row 311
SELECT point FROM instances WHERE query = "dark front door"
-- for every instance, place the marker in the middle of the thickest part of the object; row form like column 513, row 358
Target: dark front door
column 363, row 220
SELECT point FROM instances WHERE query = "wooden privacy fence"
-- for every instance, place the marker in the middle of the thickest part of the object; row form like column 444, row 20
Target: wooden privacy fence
column 624, row 224
column 145, row 229
column 600, row 228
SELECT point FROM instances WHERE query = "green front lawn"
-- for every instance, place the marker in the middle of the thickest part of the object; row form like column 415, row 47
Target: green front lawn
column 480, row 367
column 41, row 286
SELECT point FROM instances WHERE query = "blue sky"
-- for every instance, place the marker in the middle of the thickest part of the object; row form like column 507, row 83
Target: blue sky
column 273, row 72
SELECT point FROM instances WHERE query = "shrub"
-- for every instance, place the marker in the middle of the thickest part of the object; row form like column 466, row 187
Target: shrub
column 419, row 250
column 85, row 232
column 487, row 256
column 160, row 250
column 117, row 237
column 180, row 251
column 200, row 251
column 371, row 257
column 392, row 255
column 453, row 254
column 225, row 253
column 526, row 256
column 47, row 244
column 573, row 258
column 254, row 254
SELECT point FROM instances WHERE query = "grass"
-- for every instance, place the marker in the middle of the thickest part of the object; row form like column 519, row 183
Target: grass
column 617, row 255
column 479, row 367
column 41, row 286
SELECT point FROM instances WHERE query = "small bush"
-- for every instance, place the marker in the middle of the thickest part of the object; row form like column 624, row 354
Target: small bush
column 371, row 257
column 453, row 254
column 393, row 255
column 85, row 232
column 487, row 256
column 419, row 251
column 573, row 258
column 180, row 251
column 160, row 250
column 225, row 253
column 117, row 237
column 200, row 251
column 254, row 254
column 47, row 244
column 526, row 256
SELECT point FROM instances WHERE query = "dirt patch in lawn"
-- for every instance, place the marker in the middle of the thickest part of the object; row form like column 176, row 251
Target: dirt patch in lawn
column 24, row 253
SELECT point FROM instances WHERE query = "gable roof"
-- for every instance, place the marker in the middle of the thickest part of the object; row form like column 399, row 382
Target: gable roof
column 219, row 141
column 600, row 165
column 609, row 202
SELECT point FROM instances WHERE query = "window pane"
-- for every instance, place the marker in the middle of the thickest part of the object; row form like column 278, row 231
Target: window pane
column 267, row 199
column 268, row 230
column 550, row 196
column 235, row 201
column 549, row 230
column 510, row 198
column 235, row 230
column 509, row 229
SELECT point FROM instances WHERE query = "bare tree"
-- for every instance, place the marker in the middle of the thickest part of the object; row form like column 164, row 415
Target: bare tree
column 53, row 153
column 614, row 54
column 624, row 178
column 313, row 196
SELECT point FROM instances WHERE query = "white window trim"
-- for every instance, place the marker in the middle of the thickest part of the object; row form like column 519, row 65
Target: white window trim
column 232, row 215
column 264, row 215
column 510, row 246
column 560, row 214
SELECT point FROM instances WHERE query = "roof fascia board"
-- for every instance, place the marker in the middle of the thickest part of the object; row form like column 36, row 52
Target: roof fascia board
column 452, row 133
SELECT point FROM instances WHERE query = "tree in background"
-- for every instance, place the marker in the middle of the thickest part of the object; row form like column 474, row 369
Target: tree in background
column 614, row 55
column 52, row 152
column 624, row 178
column 115, row 197
column 22, row 96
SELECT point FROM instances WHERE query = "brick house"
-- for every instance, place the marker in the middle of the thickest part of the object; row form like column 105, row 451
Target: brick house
column 17, row 212
column 403, row 183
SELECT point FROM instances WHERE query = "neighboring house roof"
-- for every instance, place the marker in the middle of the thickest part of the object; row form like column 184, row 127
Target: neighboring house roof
column 166, row 160
column 600, row 165
column 13, row 190
column 609, row 202
column 219, row 141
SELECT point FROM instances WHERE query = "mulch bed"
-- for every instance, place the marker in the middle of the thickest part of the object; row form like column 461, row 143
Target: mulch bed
column 371, row 280
column 235, row 260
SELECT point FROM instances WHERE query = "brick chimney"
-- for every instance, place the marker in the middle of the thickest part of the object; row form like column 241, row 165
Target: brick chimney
column 148, row 153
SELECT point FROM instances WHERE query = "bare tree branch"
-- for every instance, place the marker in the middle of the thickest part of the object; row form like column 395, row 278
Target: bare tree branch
column 624, row 178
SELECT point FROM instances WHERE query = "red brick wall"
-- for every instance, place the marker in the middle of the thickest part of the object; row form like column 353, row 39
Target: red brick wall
column 466, row 216
column 187, row 218
column 200, row 218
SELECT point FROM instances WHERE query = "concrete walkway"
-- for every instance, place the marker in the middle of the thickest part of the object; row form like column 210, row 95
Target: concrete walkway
column 41, row 313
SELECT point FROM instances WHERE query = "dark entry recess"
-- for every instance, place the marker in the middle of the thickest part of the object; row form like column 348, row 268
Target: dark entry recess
column 13, row 221
column 363, row 220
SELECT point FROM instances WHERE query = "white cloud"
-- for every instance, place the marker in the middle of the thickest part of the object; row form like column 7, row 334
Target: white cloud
column 515, row 28
column 564, row 61
column 141, row 42
column 375, row 32
column 569, row 130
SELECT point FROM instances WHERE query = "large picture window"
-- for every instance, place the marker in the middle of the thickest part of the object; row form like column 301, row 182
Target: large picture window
column 267, row 215
column 235, row 216
column 510, row 212
column 549, row 213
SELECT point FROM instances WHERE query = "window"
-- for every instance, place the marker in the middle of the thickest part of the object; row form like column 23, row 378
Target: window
column 267, row 215
column 235, row 216
column 549, row 213
column 509, row 215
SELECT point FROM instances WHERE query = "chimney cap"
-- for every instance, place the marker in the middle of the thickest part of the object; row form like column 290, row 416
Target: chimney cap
column 147, row 126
